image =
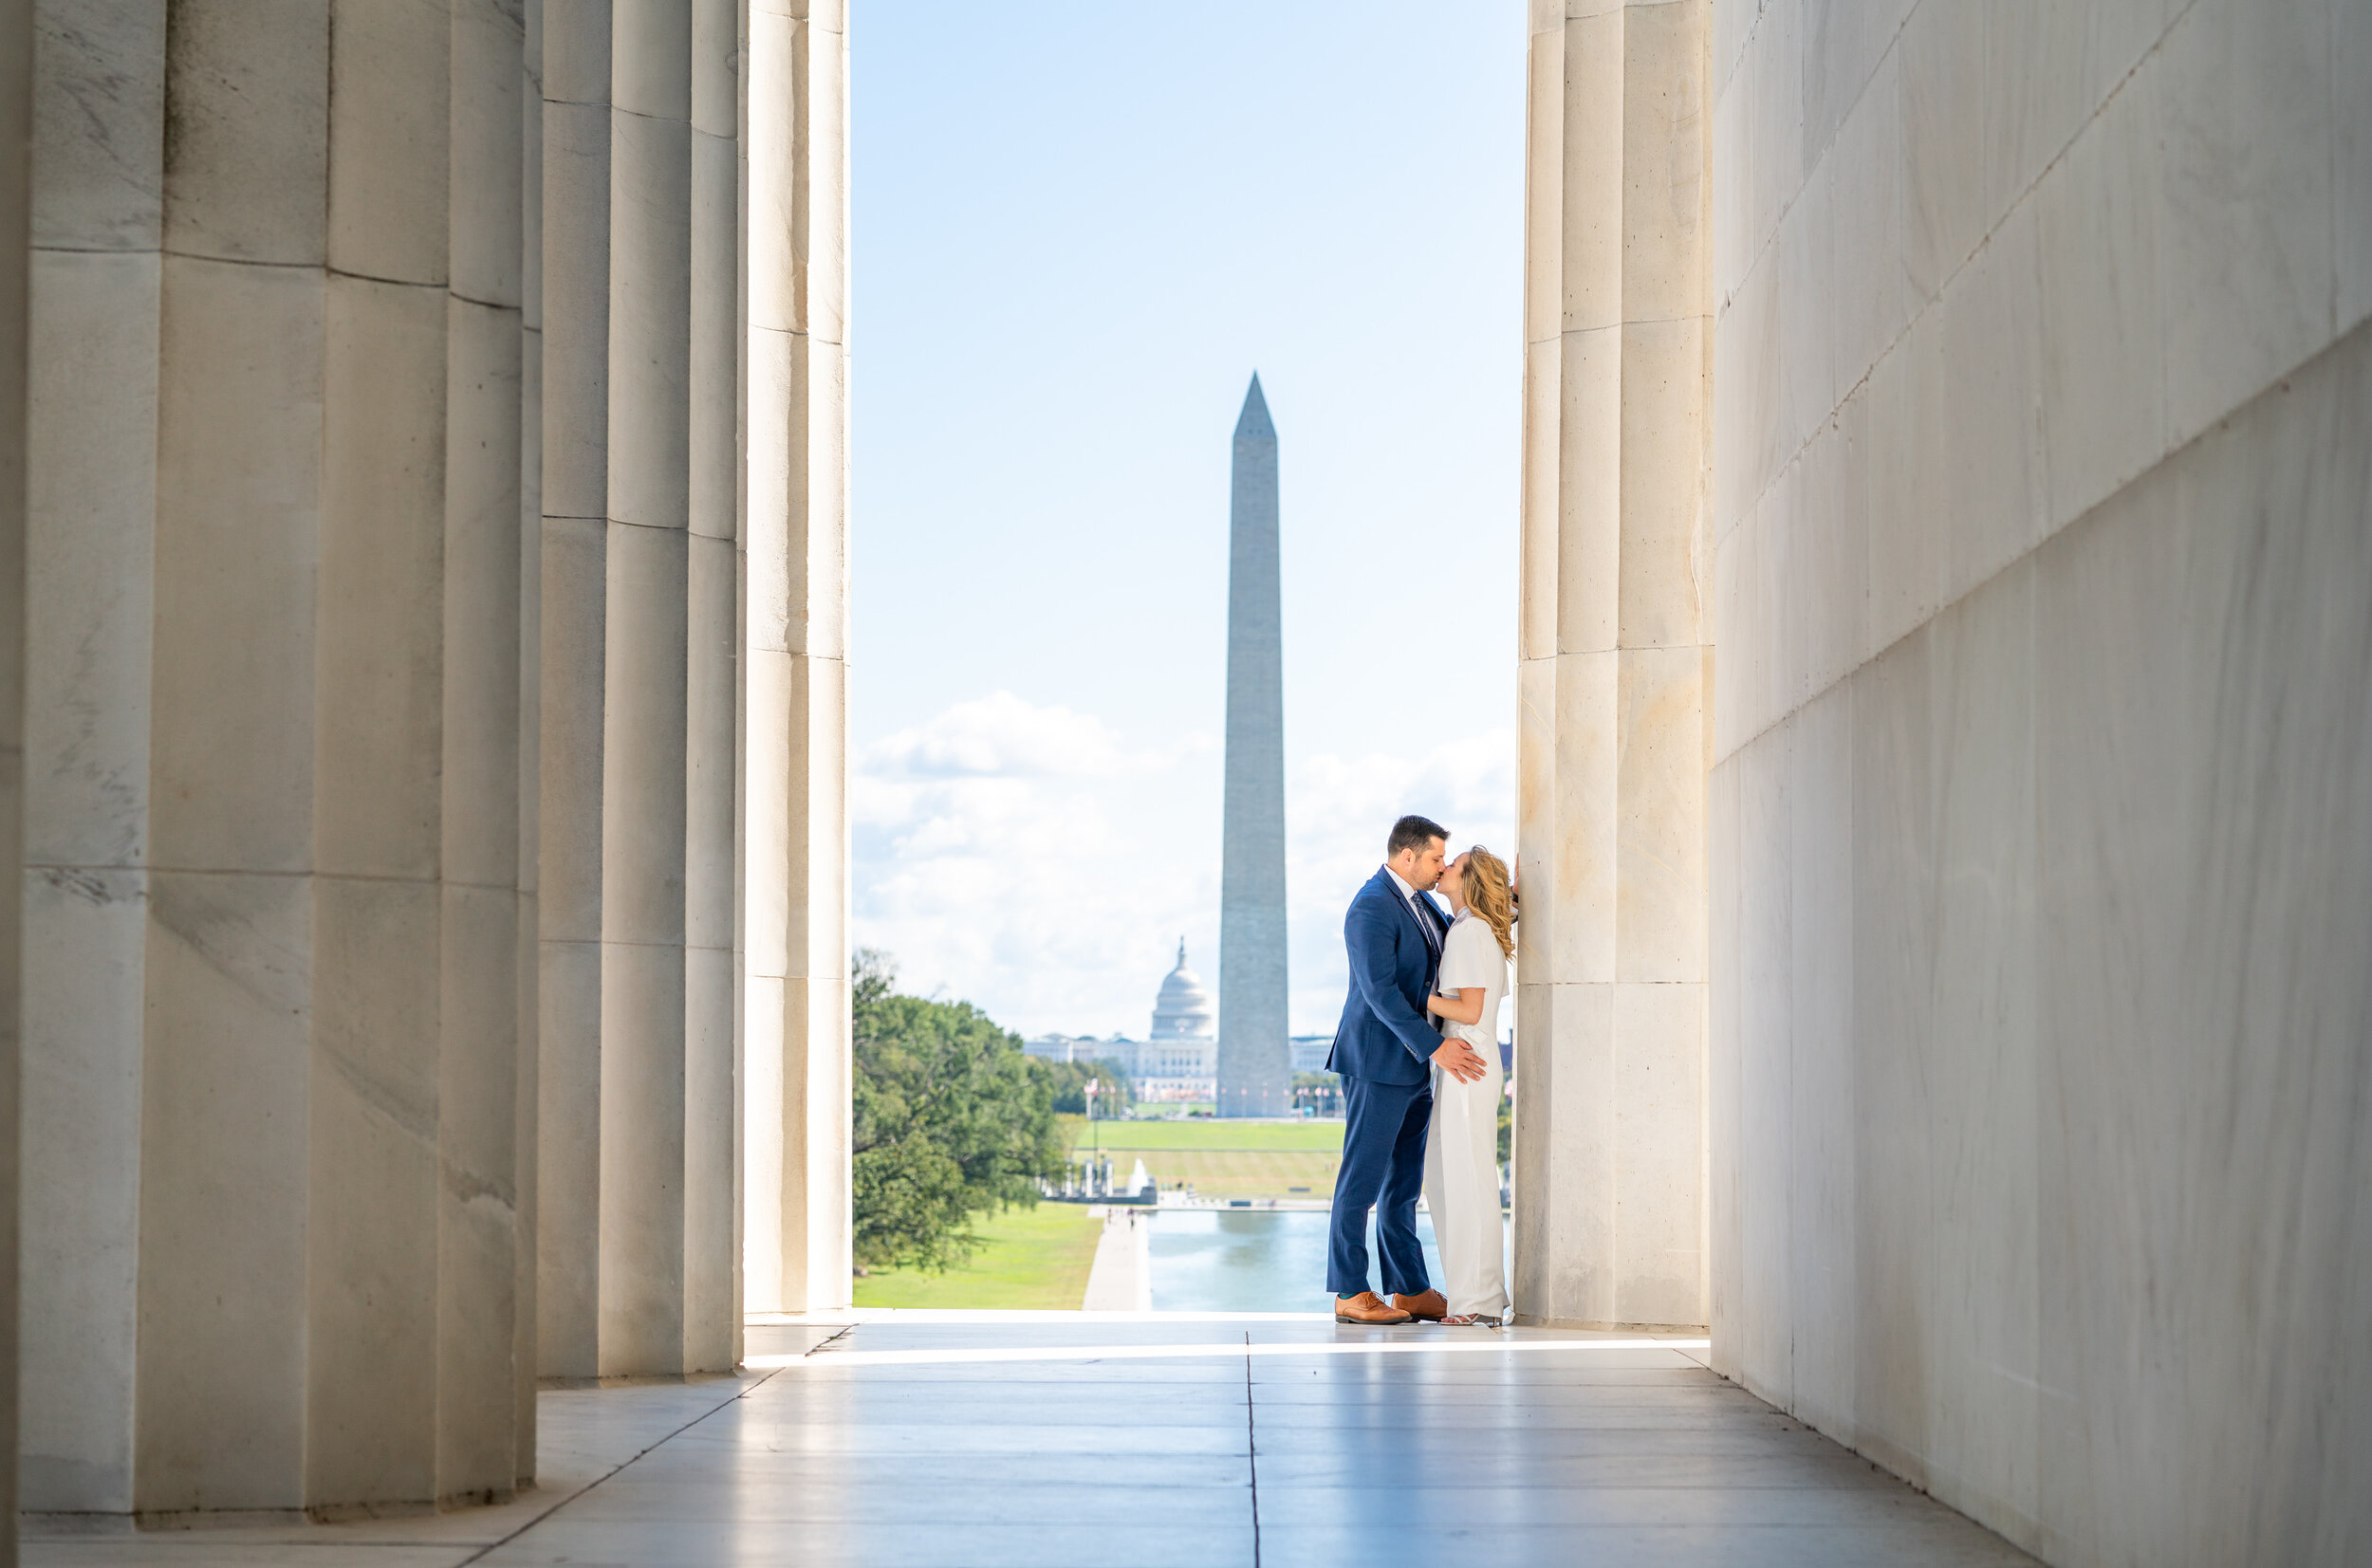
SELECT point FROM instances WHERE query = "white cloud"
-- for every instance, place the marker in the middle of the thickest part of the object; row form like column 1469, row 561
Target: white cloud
column 1033, row 860
column 1000, row 735
column 1041, row 864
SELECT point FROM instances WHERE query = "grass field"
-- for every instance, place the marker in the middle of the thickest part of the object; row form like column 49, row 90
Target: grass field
column 1034, row 1258
column 1205, row 1133
column 1225, row 1159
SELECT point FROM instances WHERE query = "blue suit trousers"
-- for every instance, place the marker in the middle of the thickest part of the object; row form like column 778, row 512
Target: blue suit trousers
column 1383, row 1169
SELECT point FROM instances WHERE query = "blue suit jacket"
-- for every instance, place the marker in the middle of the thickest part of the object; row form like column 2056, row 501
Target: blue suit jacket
column 1385, row 1035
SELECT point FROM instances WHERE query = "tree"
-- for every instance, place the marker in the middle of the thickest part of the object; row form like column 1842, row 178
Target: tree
column 952, row 1121
column 1070, row 1087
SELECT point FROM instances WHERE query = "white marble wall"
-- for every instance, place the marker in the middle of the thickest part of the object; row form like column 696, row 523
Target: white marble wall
column 794, row 785
column 2042, row 814
column 16, row 128
column 275, row 674
column 1611, row 959
column 641, row 249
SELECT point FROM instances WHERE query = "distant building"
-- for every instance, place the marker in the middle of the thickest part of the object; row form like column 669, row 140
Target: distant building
column 1309, row 1052
column 1181, row 1061
column 1116, row 1050
column 1178, row 1063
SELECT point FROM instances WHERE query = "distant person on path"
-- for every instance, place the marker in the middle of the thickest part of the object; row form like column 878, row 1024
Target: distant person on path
column 1462, row 1154
column 1385, row 1049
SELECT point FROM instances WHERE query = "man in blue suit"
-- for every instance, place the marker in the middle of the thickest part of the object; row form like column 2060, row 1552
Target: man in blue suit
column 1384, row 1049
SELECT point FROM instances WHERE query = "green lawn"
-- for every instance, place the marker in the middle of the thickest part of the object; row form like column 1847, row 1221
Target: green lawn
column 1238, row 1172
column 1209, row 1134
column 1034, row 1258
column 1222, row 1159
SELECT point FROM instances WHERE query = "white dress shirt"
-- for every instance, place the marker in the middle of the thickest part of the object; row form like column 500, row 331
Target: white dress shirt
column 1432, row 931
column 1408, row 893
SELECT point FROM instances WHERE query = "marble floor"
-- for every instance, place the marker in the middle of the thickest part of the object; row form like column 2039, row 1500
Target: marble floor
column 919, row 1440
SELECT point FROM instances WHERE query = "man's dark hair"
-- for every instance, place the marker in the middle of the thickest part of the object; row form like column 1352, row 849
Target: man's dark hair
column 1413, row 833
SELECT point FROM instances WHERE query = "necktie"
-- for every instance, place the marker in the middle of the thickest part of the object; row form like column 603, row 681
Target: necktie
column 1432, row 947
column 1424, row 923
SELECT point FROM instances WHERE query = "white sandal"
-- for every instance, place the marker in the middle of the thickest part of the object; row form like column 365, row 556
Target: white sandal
column 1472, row 1320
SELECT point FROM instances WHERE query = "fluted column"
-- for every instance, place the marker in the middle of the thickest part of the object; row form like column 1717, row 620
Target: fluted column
column 641, row 1315
column 16, row 126
column 640, row 252
column 1610, row 1129
column 364, row 1254
column 712, row 1120
column 277, row 553
column 573, row 602
column 484, row 572
column 97, row 274
column 526, row 1151
column 795, row 899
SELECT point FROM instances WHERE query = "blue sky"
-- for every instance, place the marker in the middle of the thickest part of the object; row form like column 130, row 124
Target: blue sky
column 1078, row 228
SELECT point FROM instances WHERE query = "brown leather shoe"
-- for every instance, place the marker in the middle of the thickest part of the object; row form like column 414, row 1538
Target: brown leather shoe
column 1366, row 1308
column 1427, row 1309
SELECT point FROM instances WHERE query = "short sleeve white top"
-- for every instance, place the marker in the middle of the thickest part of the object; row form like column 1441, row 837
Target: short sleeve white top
column 1470, row 957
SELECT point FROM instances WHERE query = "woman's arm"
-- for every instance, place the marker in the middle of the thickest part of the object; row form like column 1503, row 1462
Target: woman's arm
column 1465, row 1008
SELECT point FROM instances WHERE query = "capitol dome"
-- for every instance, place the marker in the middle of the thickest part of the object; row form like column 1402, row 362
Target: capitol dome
column 1183, row 1010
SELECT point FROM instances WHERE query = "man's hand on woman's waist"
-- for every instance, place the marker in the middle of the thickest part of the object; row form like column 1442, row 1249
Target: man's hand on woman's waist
column 1458, row 1058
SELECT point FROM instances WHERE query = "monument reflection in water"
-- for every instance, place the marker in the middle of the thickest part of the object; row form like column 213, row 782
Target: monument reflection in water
column 1250, row 1260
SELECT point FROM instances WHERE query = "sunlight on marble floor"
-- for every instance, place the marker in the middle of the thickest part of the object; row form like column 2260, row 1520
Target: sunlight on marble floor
column 929, row 1440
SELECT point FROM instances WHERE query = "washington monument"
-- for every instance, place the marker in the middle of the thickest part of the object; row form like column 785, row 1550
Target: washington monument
column 1255, row 1057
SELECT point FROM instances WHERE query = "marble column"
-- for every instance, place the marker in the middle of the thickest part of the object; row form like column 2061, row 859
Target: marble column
column 485, row 575
column 97, row 266
column 16, row 128
column 639, row 1315
column 274, row 760
column 711, row 1178
column 527, row 1100
column 794, row 999
column 640, row 255
column 573, row 599
column 1614, row 671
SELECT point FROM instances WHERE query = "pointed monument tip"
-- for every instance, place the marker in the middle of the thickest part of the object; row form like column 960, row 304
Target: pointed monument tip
column 1253, row 421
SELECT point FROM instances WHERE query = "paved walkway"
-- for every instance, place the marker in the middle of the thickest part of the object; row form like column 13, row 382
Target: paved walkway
column 1122, row 1279
column 1139, row 1441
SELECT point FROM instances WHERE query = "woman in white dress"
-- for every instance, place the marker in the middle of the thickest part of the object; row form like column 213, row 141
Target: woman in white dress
column 1463, row 1152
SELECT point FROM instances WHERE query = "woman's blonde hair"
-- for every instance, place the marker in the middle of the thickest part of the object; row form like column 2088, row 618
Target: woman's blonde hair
column 1490, row 895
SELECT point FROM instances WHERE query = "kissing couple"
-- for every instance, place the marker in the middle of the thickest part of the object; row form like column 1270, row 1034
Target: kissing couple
column 1418, row 1056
